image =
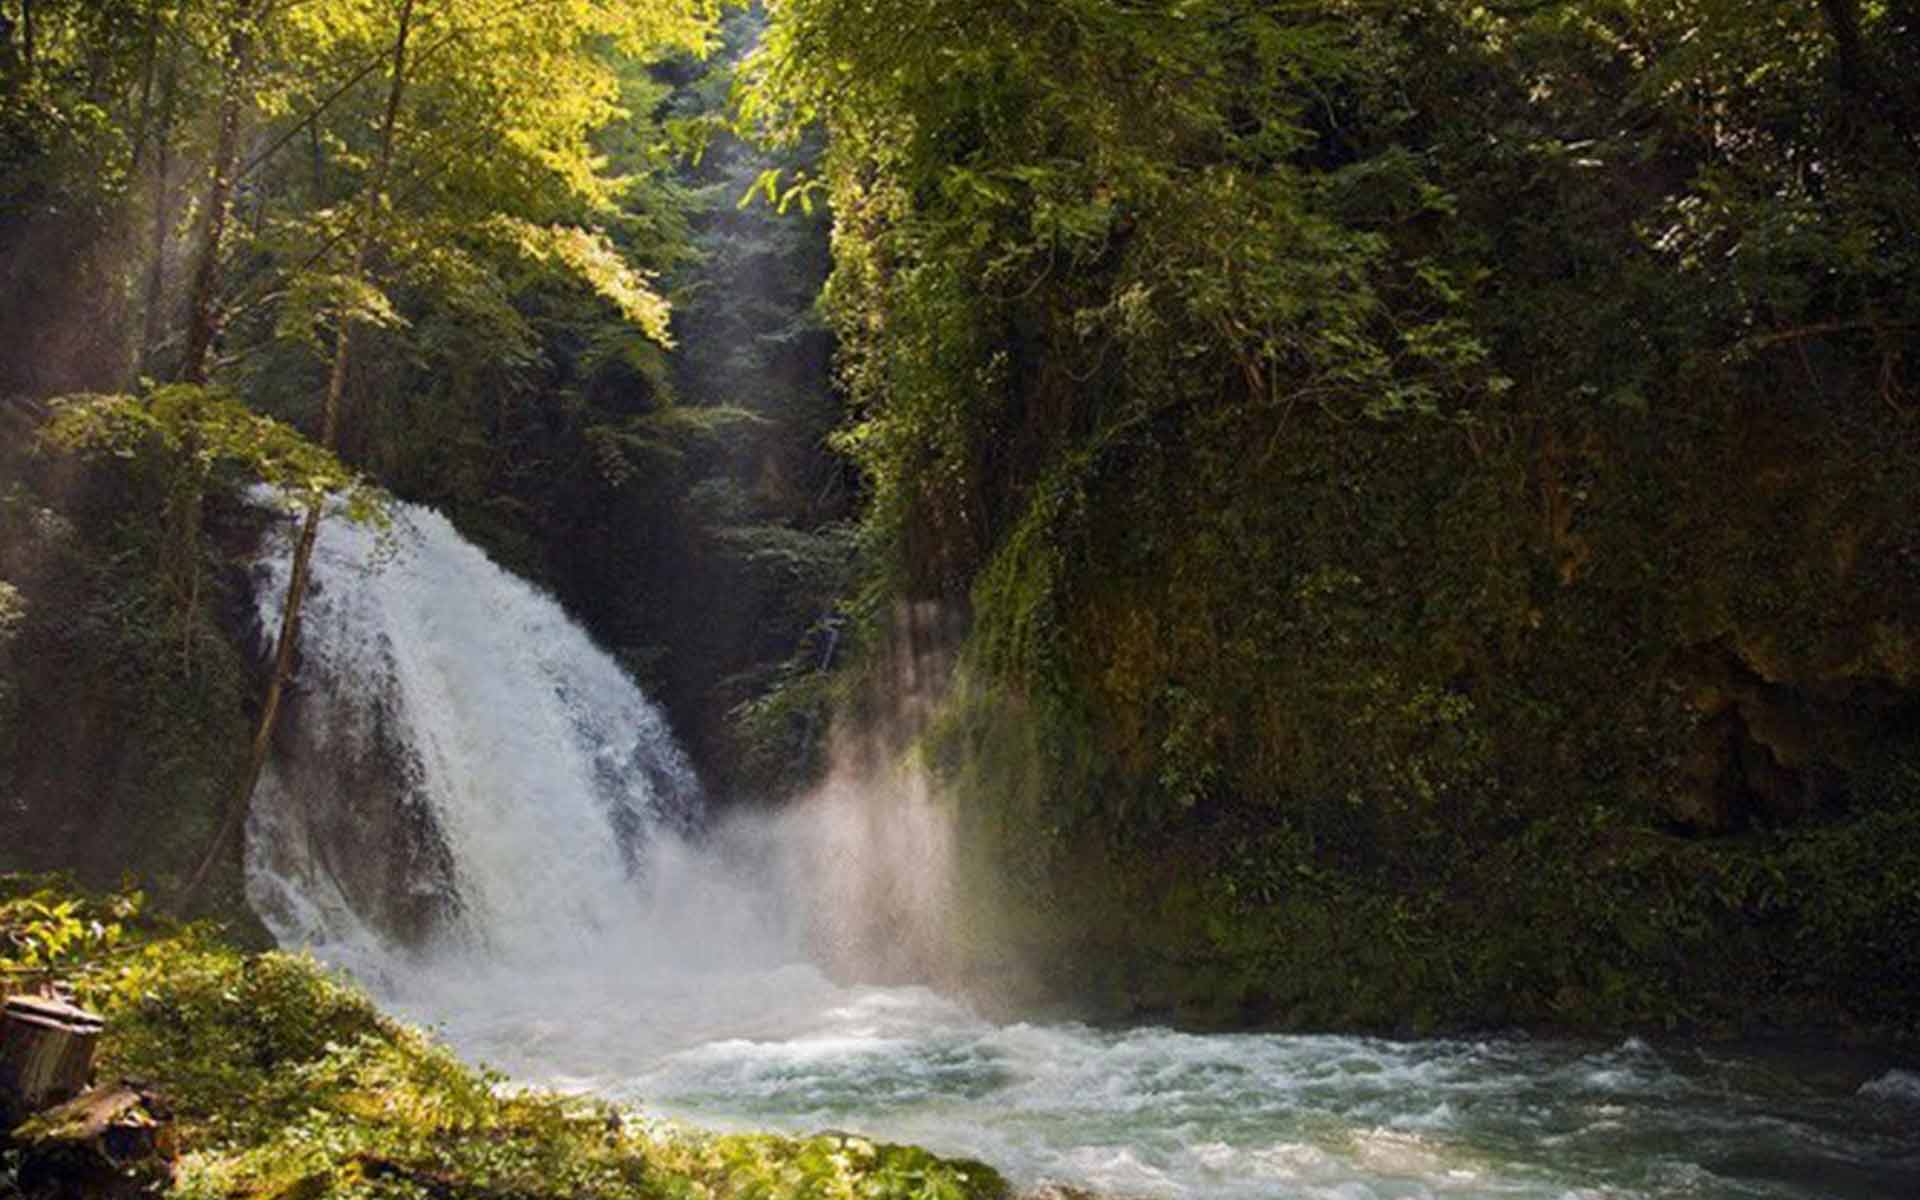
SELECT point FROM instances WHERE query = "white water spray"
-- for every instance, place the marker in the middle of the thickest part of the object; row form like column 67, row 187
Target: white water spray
column 510, row 752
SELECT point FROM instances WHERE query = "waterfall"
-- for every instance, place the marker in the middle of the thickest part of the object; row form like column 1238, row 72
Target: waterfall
column 460, row 770
column 471, row 808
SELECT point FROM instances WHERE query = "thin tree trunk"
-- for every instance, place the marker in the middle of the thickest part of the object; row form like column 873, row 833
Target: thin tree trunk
column 269, row 710
column 148, row 69
column 154, row 317
column 310, row 527
column 1843, row 22
column 201, row 319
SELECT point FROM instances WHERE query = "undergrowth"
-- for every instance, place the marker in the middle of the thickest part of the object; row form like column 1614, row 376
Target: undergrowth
column 286, row 1083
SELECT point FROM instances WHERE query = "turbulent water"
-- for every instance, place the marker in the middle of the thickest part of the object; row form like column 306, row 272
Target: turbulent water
column 475, row 811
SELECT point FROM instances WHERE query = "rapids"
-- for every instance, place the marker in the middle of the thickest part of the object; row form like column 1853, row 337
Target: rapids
column 478, row 814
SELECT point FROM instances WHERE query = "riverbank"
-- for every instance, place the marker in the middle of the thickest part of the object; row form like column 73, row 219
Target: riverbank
column 282, row 1082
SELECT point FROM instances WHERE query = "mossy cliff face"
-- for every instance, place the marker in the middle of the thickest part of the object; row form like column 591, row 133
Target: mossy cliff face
column 1398, row 731
column 125, row 685
column 1435, row 510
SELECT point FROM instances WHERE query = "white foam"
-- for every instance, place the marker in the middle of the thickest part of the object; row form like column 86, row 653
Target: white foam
column 529, row 745
column 1903, row 1086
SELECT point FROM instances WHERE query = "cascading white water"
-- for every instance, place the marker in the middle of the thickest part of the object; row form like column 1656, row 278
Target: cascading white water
column 473, row 809
column 477, row 813
column 522, row 758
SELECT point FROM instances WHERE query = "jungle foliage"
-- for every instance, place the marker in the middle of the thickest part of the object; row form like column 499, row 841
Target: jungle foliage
column 444, row 252
column 1431, row 486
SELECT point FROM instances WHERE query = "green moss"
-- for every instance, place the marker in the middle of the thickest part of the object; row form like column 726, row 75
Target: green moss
column 1581, row 919
column 1420, row 572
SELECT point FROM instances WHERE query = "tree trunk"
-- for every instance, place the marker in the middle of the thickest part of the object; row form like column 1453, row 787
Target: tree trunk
column 149, row 68
column 114, row 1141
column 154, row 315
column 46, row 1051
column 201, row 317
column 153, row 320
column 236, row 816
column 310, row 527
column 1843, row 22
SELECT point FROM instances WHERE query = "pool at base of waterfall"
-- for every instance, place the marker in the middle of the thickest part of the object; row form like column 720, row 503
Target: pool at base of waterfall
column 1155, row 1113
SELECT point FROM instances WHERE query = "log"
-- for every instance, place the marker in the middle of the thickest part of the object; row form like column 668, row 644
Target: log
column 112, row 1143
column 118, row 1123
column 46, row 1052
